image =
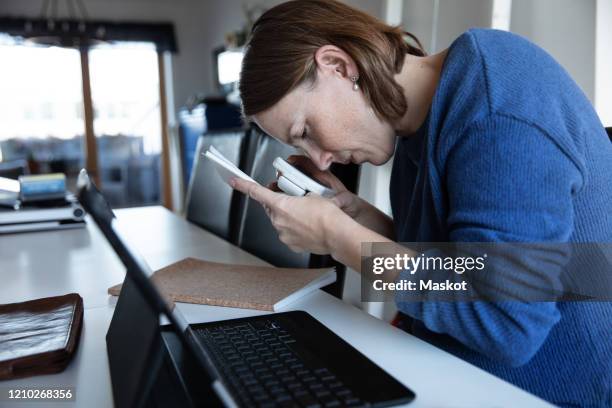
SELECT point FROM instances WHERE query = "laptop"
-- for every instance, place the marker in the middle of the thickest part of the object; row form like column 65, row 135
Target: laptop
column 284, row 359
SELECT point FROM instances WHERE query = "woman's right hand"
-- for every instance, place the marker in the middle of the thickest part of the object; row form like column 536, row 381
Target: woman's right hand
column 355, row 207
column 348, row 202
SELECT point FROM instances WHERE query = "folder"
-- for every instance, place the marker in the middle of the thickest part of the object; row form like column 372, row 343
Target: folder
column 249, row 287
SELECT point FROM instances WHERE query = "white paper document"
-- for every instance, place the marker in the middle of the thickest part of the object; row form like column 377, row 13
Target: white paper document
column 225, row 168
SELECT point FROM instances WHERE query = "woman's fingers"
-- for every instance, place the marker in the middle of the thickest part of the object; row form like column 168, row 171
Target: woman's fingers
column 267, row 210
column 343, row 199
column 347, row 202
column 257, row 192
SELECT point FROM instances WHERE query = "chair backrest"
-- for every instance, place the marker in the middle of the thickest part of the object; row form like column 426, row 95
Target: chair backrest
column 209, row 202
column 256, row 233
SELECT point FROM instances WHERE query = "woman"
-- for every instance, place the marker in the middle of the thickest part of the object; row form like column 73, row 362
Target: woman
column 495, row 143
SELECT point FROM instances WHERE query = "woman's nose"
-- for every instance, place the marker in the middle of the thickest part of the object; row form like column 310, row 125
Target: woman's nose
column 319, row 157
column 323, row 160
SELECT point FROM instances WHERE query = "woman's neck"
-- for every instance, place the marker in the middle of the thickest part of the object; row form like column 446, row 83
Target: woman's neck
column 419, row 79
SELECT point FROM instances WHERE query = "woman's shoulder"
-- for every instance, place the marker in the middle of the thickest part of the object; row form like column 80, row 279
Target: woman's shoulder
column 510, row 66
column 492, row 73
column 517, row 76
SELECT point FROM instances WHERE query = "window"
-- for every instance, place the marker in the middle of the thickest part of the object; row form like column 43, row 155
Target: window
column 43, row 122
column 41, row 107
column 127, row 124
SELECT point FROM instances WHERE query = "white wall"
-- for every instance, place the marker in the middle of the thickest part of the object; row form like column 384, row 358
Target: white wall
column 603, row 61
column 417, row 19
column 454, row 17
column 565, row 29
column 457, row 17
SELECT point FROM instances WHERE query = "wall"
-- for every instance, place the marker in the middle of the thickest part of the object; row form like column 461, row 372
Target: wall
column 564, row 28
column 603, row 62
column 454, row 17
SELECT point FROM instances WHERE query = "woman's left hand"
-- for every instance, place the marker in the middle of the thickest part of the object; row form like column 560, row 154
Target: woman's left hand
column 302, row 223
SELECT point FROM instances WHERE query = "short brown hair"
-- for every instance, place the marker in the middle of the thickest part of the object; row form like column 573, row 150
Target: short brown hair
column 279, row 54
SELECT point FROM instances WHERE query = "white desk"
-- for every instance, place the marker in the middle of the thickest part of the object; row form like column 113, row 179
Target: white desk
column 34, row 265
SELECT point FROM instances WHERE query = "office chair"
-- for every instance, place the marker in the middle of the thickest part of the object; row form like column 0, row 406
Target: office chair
column 210, row 203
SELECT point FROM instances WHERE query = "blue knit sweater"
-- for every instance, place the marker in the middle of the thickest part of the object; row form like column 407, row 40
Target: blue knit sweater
column 512, row 151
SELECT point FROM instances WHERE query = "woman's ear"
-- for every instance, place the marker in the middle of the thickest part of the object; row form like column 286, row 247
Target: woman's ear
column 334, row 61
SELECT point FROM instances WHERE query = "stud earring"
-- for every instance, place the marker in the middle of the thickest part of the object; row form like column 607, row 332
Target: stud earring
column 354, row 79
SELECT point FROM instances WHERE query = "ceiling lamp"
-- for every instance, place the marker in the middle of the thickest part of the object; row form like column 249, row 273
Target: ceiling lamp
column 75, row 31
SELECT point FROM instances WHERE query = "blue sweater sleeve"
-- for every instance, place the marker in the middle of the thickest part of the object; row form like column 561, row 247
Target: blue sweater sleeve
column 506, row 181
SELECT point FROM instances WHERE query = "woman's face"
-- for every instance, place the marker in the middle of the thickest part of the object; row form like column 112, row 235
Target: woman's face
column 329, row 122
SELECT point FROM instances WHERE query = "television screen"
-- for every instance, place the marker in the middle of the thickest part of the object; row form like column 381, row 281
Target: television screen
column 229, row 64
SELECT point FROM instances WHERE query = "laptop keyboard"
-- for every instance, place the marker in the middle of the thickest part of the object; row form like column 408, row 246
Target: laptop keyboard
column 261, row 362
